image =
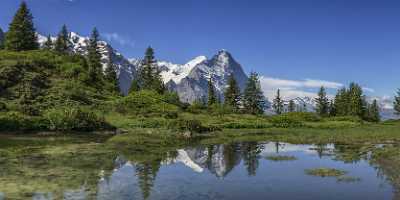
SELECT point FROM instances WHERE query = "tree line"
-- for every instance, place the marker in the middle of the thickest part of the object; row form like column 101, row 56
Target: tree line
column 22, row 36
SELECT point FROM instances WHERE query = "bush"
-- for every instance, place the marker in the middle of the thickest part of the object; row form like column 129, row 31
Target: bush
column 192, row 125
column 346, row 119
column 15, row 121
column 285, row 121
column 76, row 119
column 144, row 103
column 303, row 116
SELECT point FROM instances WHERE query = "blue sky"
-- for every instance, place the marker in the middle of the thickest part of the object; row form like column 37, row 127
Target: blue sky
column 289, row 42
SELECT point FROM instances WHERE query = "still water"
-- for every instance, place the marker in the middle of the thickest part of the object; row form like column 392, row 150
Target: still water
column 244, row 170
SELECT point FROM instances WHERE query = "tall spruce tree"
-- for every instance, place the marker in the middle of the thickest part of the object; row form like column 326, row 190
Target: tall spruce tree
column 48, row 45
column 232, row 94
column 62, row 44
column 21, row 35
column 356, row 103
column 341, row 103
column 322, row 103
column 373, row 112
column 149, row 74
column 253, row 97
column 277, row 104
column 291, row 106
column 332, row 108
column 397, row 103
column 110, row 74
column 1, row 39
column 212, row 97
column 94, row 56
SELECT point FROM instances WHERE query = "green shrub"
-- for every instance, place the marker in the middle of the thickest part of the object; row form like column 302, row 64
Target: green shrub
column 346, row 119
column 303, row 116
column 192, row 125
column 285, row 121
column 76, row 119
column 144, row 103
column 15, row 121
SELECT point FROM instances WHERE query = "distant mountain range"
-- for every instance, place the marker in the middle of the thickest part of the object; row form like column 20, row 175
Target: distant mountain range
column 190, row 80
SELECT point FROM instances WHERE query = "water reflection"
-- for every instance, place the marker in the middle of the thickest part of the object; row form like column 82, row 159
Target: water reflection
column 241, row 170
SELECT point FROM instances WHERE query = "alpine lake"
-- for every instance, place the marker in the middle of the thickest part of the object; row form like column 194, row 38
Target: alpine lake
column 75, row 166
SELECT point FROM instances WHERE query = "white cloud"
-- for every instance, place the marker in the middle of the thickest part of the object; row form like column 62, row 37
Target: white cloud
column 367, row 89
column 291, row 89
column 125, row 41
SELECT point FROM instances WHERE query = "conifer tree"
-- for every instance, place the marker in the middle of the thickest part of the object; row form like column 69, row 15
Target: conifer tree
column 396, row 103
column 62, row 44
column 48, row 45
column 110, row 74
column 135, row 86
column 21, row 35
column 373, row 111
column 94, row 56
column 278, row 103
column 322, row 103
column 341, row 103
column 1, row 39
column 253, row 97
column 150, row 75
column 232, row 94
column 332, row 108
column 291, row 106
column 212, row 98
column 356, row 103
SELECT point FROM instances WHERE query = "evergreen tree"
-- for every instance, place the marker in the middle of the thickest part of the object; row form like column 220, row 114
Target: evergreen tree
column 341, row 102
column 62, row 44
column 1, row 39
column 332, row 108
column 278, row 103
column 48, row 45
column 94, row 56
column 110, row 74
column 135, row 86
column 397, row 103
column 291, row 106
column 254, row 101
column 373, row 111
column 212, row 98
column 150, row 74
column 322, row 103
column 232, row 94
column 356, row 103
column 21, row 35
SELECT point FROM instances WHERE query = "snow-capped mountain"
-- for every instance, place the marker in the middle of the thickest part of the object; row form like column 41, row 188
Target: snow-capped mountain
column 190, row 80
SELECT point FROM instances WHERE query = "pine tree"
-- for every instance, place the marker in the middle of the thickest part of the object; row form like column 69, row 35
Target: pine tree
column 291, row 106
column 1, row 39
column 48, row 45
column 110, row 75
column 232, row 94
column 397, row 102
column 212, row 98
column 322, row 103
column 332, row 108
column 94, row 56
column 150, row 74
column 356, row 104
column 135, row 86
column 254, row 100
column 373, row 111
column 62, row 44
column 21, row 35
column 341, row 103
column 278, row 103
